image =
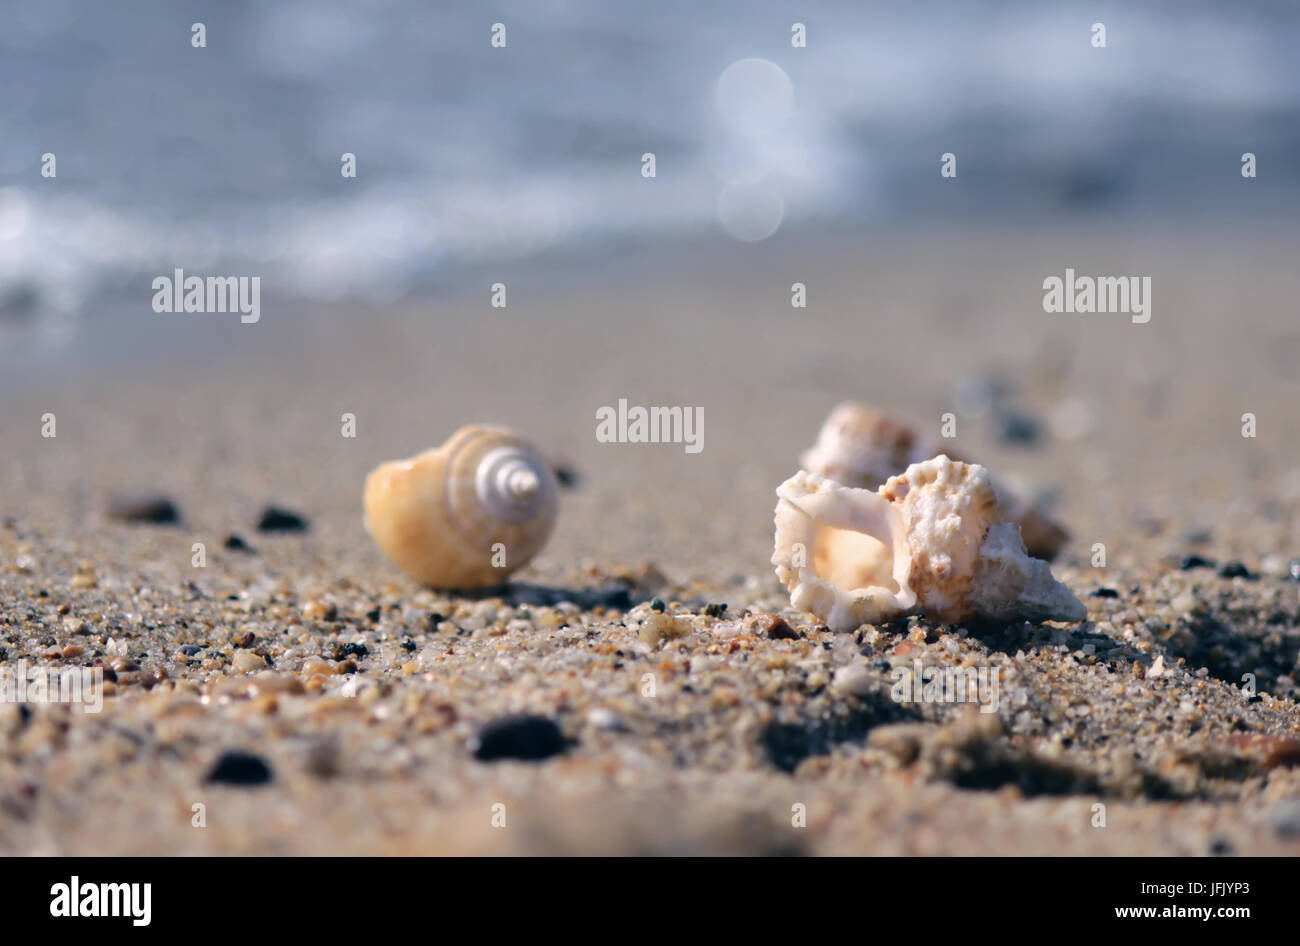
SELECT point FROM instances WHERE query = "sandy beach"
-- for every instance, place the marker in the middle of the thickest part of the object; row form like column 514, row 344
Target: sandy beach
column 365, row 697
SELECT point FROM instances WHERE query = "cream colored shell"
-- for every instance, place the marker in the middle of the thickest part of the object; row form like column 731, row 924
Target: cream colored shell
column 466, row 514
column 861, row 447
column 932, row 540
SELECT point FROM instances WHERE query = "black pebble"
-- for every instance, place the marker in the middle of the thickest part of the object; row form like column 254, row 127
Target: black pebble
column 275, row 519
column 616, row 596
column 236, row 543
column 373, row 615
column 355, row 650
column 519, row 737
column 1018, row 428
column 191, row 650
column 1234, row 570
column 715, row 610
column 1105, row 593
column 658, row 605
column 143, row 507
column 1188, row 562
column 239, row 768
column 567, row 476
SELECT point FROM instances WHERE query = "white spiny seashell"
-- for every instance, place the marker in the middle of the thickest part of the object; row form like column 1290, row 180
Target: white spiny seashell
column 860, row 447
column 932, row 540
column 466, row 514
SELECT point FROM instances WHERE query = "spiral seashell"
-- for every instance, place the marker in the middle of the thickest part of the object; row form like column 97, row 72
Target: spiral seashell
column 862, row 448
column 933, row 539
column 466, row 514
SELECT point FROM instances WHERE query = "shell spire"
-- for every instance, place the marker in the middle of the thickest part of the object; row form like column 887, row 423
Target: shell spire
column 933, row 539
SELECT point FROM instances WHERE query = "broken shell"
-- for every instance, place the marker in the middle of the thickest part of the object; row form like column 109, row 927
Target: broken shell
column 466, row 514
column 933, row 539
column 861, row 448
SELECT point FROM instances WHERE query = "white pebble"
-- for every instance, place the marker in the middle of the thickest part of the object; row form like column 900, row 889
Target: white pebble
column 853, row 679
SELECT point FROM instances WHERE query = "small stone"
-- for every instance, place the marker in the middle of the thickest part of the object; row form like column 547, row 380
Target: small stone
column 602, row 718
column 1272, row 751
column 530, row 738
column 658, row 605
column 1189, row 562
column 1105, row 593
column 73, row 650
column 1234, row 570
column 275, row 519
column 153, row 508
column 191, row 650
column 1185, row 604
column 246, row 660
column 84, row 581
column 566, row 476
column 853, row 679
column 239, row 768
column 1157, row 667
column 1293, row 569
column 1017, row 428
column 235, row 543
column 715, row 610
column 320, row 609
column 774, row 626
column 660, row 627
column 1285, row 818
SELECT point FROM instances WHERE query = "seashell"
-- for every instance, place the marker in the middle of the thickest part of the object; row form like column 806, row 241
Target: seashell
column 466, row 514
column 933, row 539
column 861, row 448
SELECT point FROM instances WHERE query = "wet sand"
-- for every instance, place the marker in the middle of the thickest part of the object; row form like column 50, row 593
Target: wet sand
column 370, row 747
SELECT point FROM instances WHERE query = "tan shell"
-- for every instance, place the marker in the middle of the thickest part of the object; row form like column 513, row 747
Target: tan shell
column 860, row 447
column 933, row 539
column 466, row 514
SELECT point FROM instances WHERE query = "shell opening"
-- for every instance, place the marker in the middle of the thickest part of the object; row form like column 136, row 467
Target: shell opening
column 852, row 560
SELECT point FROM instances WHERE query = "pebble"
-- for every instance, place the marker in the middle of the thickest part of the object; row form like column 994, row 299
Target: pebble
column 660, row 627
column 1017, row 428
column 1271, row 750
column 275, row 519
column 239, row 768
column 1188, row 562
column 774, row 627
column 246, row 660
column 603, row 718
column 1285, row 818
column 1234, row 570
column 235, row 543
column 520, row 736
column 191, row 650
column 320, row 609
column 566, row 476
column 853, row 679
column 152, row 508
column 1105, row 593
column 1185, row 603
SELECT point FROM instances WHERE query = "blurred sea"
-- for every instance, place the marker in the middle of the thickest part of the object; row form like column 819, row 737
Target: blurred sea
column 226, row 159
